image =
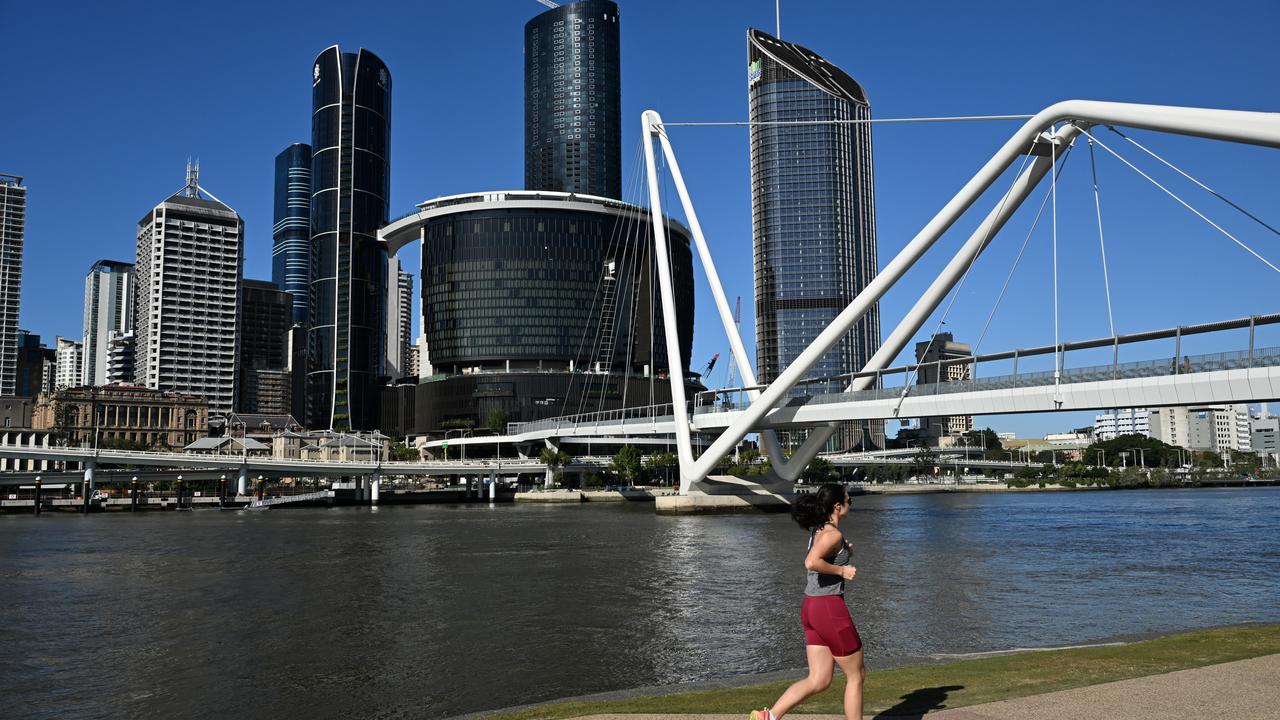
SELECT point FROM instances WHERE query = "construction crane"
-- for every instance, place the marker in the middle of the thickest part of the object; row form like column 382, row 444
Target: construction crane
column 710, row 364
column 549, row 4
column 737, row 323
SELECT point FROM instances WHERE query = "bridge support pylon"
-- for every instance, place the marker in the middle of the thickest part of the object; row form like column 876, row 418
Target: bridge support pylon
column 90, row 467
column 242, row 483
column 375, row 488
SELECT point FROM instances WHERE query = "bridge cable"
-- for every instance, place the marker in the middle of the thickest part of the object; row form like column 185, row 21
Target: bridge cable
column 1102, row 245
column 914, row 373
column 1026, row 241
column 1180, row 171
column 873, row 121
column 1184, row 203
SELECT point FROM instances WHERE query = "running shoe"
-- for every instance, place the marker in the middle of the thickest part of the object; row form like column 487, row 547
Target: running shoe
column 765, row 714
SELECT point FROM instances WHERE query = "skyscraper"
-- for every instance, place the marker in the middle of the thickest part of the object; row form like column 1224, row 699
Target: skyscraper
column 13, row 227
column 35, row 365
column 266, row 315
column 69, row 356
column 108, row 309
column 572, row 105
column 351, row 141
column 399, row 320
column 187, row 301
column 291, row 232
column 813, row 212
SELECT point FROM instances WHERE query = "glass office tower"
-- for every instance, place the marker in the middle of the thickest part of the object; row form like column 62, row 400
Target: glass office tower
column 813, row 213
column 291, row 231
column 350, row 141
column 572, row 111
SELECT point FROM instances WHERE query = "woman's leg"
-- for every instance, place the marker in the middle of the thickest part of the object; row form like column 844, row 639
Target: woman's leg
column 821, row 667
column 854, row 672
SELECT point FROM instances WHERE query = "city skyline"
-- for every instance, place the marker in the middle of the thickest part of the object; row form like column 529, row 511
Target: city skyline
column 918, row 167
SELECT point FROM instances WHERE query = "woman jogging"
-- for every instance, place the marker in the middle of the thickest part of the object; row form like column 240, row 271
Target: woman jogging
column 830, row 636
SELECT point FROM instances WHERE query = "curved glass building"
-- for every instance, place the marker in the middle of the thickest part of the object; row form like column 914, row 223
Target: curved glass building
column 540, row 304
column 572, row 105
column 350, row 175
column 291, row 231
column 813, row 212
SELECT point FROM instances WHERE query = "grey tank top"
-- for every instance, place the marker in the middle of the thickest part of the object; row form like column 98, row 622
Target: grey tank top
column 817, row 583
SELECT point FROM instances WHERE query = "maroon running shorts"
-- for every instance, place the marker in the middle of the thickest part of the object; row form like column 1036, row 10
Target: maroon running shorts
column 826, row 622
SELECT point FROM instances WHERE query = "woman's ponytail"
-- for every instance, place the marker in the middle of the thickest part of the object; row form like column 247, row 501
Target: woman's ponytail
column 811, row 510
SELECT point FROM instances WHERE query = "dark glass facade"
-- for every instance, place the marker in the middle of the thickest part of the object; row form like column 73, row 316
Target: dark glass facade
column 291, row 231
column 350, row 175
column 540, row 304
column 553, row 285
column 572, row 106
column 813, row 212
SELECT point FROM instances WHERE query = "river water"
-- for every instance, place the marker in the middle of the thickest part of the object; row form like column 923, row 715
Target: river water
column 435, row 611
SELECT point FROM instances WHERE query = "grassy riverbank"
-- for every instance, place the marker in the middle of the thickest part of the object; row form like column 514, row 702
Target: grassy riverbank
column 914, row 690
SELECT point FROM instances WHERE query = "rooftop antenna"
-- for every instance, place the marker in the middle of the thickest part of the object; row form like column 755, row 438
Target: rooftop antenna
column 193, row 178
column 550, row 4
column 777, row 18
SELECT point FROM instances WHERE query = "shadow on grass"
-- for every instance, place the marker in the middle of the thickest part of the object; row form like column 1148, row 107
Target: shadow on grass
column 918, row 702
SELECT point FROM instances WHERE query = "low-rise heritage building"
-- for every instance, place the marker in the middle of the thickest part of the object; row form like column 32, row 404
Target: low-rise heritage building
column 121, row 416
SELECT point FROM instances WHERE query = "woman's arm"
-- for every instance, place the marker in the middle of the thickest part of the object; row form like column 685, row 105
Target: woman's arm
column 823, row 545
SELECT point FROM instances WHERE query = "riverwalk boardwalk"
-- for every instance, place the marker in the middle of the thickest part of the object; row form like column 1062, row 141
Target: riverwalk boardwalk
column 1241, row 690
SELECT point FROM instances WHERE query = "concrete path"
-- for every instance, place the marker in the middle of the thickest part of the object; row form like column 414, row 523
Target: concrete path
column 1242, row 690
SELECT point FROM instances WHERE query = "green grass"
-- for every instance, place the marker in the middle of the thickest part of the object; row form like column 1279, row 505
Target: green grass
column 914, row 690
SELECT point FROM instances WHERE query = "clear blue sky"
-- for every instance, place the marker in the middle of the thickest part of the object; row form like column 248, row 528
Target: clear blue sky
column 105, row 102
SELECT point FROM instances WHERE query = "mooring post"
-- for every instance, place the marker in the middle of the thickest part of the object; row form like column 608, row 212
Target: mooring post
column 133, row 495
column 242, row 485
column 36, row 494
column 178, row 484
column 222, row 491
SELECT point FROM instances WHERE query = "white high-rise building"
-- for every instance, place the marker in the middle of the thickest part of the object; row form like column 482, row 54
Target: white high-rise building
column 187, row 297
column 108, row 309
column 13, row 228
column 68, row 358
column 399, row 319
column 1215, row 427
column 120, row 359
column 1114, row 423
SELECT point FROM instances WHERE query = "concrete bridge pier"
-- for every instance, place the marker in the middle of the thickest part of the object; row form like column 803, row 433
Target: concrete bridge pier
column 90, row 467
column 493, row 485
column 242, row 484
column 375, row 488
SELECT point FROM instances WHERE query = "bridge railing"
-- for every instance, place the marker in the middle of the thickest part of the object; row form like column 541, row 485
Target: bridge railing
column 624, row 416
column 723, row 401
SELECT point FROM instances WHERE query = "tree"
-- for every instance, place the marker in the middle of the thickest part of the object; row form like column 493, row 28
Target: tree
column 924, row 461
column 552, row 458
column 497, row 422
column 627, row 464
column 1153, row 452
column 661, row 464
column 820, row 471
column 400, row 451
column 988, row 439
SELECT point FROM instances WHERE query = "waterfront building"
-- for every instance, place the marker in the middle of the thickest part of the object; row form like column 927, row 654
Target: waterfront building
column 1114, row 423
column 36, row 366
column 572, row 100
column 537, row 304
column 291, row 230
column 351, row 142
column 68, row 358
column 108, row 311
column 266, row 318
column 813, row 214
column 16, row 412
column 187, row 302
column 929, row 355
column 399, row 320
column 121, row 417
column 1264, row 432
column 120, row 358
column 13, row 228
column 1215, row 428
